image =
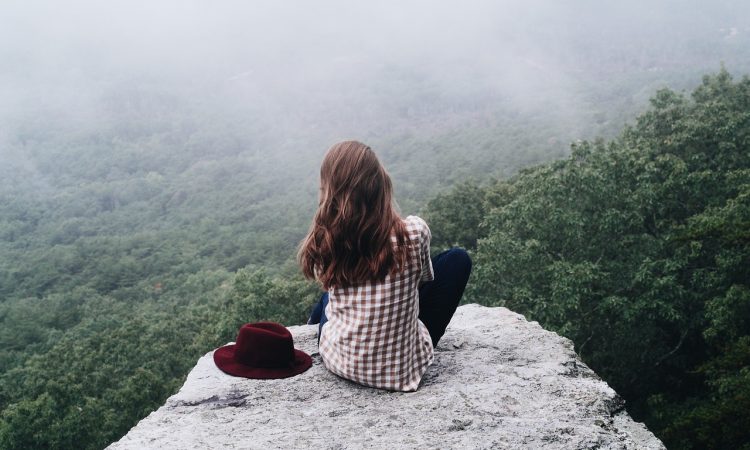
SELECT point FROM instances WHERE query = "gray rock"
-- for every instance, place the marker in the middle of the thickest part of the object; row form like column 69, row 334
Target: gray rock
column 498, row 381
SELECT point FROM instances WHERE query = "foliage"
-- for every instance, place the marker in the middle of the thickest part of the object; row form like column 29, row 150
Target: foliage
column 638, row 250
column 455, row 217
column 132, row 244
column 112, row 368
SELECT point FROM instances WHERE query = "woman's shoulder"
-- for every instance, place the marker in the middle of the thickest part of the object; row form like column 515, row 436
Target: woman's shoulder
column 415, row 220
column 415, row 225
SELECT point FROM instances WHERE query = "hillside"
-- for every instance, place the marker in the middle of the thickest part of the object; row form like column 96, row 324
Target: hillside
column 637, row 249
column 159, row 164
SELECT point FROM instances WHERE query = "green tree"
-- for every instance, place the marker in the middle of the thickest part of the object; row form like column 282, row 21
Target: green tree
column 636, row 249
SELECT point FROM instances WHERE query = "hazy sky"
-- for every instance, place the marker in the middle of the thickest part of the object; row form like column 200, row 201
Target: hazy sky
column 346, row 65
column 281, row 42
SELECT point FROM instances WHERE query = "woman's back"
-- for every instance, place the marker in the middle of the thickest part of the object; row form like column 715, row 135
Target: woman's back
column 373, row 335
column 386, row 306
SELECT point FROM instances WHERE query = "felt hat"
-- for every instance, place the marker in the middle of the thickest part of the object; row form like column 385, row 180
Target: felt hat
column 263, row 350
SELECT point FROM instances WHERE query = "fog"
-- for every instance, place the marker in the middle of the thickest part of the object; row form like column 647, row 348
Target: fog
column 304, row 74
column 159, row 166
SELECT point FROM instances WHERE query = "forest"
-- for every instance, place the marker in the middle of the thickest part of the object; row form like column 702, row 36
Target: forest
column 636, row 248
column 155, row 184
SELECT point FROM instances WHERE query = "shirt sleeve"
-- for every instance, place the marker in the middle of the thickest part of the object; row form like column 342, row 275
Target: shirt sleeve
column 424, row 251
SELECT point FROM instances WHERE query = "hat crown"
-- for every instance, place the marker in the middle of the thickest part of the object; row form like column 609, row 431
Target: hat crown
column 264, row 344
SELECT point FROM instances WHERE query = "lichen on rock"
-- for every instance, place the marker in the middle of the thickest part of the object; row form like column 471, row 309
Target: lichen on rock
column 497, row 381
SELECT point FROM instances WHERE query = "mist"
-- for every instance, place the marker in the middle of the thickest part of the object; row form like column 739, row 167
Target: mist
column 298, row 54
column 159, row 166
column 290, row 78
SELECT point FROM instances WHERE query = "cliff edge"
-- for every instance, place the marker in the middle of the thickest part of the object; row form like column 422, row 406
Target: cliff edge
column 498, row 381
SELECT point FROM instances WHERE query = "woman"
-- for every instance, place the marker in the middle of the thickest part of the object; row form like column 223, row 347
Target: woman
column 387, row 303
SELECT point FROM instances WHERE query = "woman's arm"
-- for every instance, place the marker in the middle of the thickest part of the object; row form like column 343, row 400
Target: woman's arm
column 424, row 253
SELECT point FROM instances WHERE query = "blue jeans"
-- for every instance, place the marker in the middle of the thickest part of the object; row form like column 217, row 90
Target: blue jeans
column 438, row 299
column 318, row 314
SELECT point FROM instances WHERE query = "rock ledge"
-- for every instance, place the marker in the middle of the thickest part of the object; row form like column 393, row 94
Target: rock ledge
column 498, row 381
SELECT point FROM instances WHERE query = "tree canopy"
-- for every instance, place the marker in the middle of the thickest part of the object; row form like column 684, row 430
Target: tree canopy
column 638, row 250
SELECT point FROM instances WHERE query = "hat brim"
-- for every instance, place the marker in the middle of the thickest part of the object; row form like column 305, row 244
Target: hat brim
column 224, row 359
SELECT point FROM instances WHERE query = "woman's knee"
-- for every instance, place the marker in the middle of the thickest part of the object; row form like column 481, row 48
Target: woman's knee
column 459, row 258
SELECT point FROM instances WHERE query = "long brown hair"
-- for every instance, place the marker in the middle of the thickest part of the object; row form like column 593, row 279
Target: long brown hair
column 350, row 238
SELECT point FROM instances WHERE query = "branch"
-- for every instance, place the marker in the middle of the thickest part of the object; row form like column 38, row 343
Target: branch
column 580, row 349
column 679, row 344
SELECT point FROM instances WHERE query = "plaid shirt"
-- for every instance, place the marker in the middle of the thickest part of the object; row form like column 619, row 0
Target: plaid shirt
column 373, row 336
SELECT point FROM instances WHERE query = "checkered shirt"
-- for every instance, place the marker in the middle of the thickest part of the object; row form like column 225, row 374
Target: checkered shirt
column 373, row 336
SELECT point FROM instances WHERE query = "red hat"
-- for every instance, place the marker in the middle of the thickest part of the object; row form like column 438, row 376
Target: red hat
column 263, row 350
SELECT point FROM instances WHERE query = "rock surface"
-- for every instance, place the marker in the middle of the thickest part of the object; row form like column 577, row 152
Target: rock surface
column 498, row 381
